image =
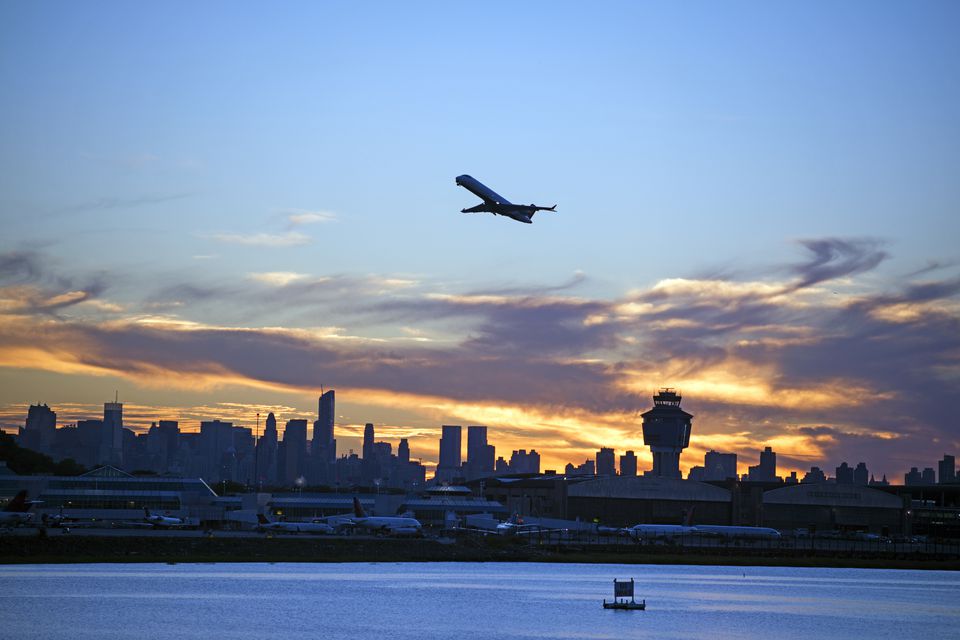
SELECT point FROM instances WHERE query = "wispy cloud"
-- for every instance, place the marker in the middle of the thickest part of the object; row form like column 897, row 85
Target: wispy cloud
column 759, row 360
column 277, row 278
column 117, row 202
column 287, row 239
column 298, row 217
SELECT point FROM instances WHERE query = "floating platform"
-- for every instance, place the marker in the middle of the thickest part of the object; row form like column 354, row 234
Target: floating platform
column 631, row 605
column 621, row 591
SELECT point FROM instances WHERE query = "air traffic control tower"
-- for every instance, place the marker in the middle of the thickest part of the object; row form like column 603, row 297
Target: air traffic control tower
column 666, row 430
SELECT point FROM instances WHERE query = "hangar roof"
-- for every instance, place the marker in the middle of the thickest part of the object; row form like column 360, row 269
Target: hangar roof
column 831, row 494
column 649, row 488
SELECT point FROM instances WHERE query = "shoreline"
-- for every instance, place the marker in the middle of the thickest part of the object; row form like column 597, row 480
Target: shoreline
column 79, row 549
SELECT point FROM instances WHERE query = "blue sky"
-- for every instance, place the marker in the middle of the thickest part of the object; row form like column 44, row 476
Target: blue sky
column 154, row 152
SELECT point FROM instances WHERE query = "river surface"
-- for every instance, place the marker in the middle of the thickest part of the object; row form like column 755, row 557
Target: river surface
column 470, row 600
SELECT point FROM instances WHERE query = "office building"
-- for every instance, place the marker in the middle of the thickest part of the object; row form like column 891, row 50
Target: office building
column 40, row 429
column 606, row 462
column 766, row 471
column 948, row 470
column 448, row 466
column 844, row 474
column 719, row 466
column 481, row 456
column 628, row 464
column 111, row 434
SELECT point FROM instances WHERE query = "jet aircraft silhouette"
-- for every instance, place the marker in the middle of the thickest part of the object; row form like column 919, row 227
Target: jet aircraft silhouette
column 496, row 204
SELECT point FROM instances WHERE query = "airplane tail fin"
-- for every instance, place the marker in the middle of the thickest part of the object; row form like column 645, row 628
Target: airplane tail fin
column 18, row 504
column 553, row 208
column 357, row 509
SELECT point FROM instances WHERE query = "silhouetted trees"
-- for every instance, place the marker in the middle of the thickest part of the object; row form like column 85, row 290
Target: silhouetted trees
column 28, row 462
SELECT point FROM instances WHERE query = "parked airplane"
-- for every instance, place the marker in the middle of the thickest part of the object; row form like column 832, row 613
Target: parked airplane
column 651, row 531
column 17, row 511
column 292, row 527
column 736, row 532
column 660, row 531
column 161, row 522
column 496, row 204
column 394, row 525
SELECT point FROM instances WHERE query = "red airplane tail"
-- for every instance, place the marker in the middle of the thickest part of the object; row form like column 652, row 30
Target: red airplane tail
column 18, row 504
column 357, row 509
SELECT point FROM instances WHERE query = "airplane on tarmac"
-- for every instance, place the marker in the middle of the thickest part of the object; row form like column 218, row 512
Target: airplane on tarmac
column 496, row 204
column 161, row 522
column 661, row 531
column 292, row 527
column 17, row 510
column 393, row 525
column 722, row 531
column 651, row 531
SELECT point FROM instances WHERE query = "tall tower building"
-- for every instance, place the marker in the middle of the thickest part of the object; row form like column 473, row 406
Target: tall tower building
column 295, row 449
column 368, row 441
column 628, row 464
column 111, row 434
column 324, row 447
column 448, row 465
column 948, row 469
column 267, row 453
column 766, row 471
column 39, row 431
column 480, row 455
column 606, row 462
column 666, row 430
column 861, row 475
column 403, row 451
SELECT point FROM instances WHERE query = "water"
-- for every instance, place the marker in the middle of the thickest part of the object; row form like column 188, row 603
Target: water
column 463, row 600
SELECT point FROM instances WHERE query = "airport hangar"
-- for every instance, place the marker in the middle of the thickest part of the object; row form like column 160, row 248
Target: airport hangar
column 625, row 501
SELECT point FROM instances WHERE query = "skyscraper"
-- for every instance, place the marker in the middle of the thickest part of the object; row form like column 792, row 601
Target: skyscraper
column 948, row 469
column 403, row 451
column 267, row 453
column 719, row 466
column 666, row 430
column 40, row 428
column 628, row 464
column 766, row 471
column 844, row 474
column 480, row 455
column 606, row 462
column 448, row 465
column 324, row 447
column 111, row 434
column 294, row 449
column 368, row 441
column 861, row 475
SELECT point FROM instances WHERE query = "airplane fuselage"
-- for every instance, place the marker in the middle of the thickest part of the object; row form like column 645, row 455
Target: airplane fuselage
column 496, row 204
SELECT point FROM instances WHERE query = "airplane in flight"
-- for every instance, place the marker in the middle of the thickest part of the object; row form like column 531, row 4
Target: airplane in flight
column 17, row 511
column 495, row 203
column 393, row 525
column 292, row 527
column 161, row 522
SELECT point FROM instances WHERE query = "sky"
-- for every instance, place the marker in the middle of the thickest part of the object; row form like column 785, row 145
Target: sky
column 215, row 209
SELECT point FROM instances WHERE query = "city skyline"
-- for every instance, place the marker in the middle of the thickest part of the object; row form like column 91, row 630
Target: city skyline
column 216, row 217
column 459, row 464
